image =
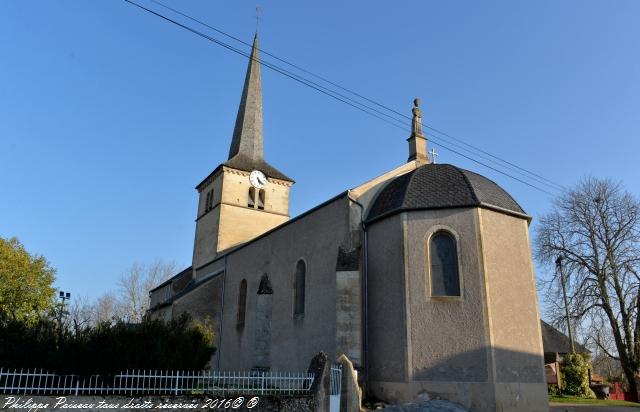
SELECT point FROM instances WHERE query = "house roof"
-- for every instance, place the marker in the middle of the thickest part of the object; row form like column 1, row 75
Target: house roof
column 441, row 186
column 554, row 341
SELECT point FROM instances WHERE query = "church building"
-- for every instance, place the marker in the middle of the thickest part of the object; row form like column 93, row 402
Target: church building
column 422, row 276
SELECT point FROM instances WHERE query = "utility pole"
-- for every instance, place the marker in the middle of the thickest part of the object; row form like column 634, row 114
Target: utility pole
column 566, row 303
column 64, row 296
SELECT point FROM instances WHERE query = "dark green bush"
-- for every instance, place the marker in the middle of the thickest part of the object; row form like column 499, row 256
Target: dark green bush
column 108, row 348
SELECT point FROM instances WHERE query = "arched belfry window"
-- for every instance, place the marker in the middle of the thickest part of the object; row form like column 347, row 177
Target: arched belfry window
column 299, row 288
column 443, row 255
column 261, row 198
column 242, row 302
column 252, row 197
column 209, row 203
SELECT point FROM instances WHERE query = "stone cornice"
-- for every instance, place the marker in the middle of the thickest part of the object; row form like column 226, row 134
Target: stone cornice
column 239, row 172
column 207, row 180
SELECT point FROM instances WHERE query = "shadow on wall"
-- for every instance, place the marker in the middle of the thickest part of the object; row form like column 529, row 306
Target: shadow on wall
column 467, row 378
column 466, row 366
column 473, row 366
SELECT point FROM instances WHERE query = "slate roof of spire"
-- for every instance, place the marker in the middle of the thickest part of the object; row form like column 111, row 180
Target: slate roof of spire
column 441, row 186
column 246, row 151
column 247, row 164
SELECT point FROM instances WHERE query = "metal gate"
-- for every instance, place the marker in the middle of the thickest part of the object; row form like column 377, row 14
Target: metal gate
column 336, row 388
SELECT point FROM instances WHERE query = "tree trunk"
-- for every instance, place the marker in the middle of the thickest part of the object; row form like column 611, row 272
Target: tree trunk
column 631, row 377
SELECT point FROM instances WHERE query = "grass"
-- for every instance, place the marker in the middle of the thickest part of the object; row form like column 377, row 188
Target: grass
column 584, row 401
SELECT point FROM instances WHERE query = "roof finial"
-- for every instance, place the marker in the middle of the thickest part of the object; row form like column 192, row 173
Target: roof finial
column 417, row 140
column 416, row 125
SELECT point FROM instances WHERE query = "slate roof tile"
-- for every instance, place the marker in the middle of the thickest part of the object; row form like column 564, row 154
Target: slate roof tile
column 439, row 186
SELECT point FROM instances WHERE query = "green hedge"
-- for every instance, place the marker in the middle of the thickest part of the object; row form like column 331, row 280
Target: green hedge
column 107, row 348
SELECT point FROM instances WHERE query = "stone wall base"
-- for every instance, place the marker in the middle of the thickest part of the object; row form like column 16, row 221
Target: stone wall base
column 477, row 396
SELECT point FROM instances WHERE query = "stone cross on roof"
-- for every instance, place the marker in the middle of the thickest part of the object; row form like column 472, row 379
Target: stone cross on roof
column 434, row 154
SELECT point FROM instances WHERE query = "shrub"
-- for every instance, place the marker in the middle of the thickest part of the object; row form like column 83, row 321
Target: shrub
column 575, row 373
column 108, row 348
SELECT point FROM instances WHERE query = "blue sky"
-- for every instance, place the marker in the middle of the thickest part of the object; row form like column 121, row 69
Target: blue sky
column 110, row 116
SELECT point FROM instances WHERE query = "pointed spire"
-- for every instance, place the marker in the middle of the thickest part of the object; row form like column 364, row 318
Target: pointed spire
column 417, row 140
column 247, row 134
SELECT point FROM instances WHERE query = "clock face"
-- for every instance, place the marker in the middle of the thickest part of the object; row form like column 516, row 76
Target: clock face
column 257, row 179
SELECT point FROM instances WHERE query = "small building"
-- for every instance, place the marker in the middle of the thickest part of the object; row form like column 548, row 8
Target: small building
column 556, row 344
column 422, row 276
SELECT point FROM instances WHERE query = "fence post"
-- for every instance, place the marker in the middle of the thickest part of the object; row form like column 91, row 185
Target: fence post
column 176, row 381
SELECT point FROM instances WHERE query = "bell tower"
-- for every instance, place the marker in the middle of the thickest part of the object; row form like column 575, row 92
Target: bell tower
column 243, row 197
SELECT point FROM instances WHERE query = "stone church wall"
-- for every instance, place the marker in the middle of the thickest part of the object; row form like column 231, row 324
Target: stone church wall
column 211, row 269
column 241, row 223
column 449, row 338
column 231, row 222
column 207, row 222
column 483, row 349
column 204, row 249
column 314, row 238
column 236, row 192
column 349, row 315
column 514, row 313
column 215, row 186
column 386, row 311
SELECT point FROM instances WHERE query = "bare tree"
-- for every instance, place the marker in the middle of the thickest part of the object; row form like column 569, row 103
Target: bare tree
column 80, row 314
column 595, row 228
column 600, row 332
column 106, row 309
column 135, row 283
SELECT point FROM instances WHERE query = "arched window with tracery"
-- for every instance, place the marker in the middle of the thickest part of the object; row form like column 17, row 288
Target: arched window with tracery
column 299, row 288
column 443, row 255
column 242, row 303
